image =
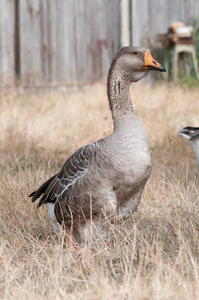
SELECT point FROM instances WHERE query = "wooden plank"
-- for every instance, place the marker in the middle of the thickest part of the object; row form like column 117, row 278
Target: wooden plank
column 160, row 18
column 114, row 33
column 173, row 12
column 95, row 51
column 30, row 46
column 125, row 23
column 66, row 63
column 67, row 27
column 107, row 43
column 111, row 33
column 140, row 22
column 61, row 45
column 79, row 46
column 52, row 42
column 87, row 41
column 7, row 43
column 191, row 8
column 71, row 62
column 102, row 41
column 44, row 42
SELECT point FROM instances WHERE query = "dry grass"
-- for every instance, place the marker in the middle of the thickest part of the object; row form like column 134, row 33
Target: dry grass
column 155, row 254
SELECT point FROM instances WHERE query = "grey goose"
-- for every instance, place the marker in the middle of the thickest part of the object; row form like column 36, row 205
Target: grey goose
column 105, row 179
column 192, row 135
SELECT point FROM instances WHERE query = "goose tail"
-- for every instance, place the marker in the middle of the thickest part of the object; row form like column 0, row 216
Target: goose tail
column 36, row 194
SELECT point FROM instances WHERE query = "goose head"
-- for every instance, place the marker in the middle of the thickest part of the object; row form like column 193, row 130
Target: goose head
column 134, row 63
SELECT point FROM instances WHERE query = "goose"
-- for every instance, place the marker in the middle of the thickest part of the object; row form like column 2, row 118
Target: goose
column 192, row 135
column 104, row 180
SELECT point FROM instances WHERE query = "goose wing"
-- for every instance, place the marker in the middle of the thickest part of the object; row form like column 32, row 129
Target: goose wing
column 75, row 167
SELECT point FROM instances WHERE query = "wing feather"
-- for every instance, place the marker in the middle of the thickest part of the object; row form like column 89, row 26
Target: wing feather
column 74, row 168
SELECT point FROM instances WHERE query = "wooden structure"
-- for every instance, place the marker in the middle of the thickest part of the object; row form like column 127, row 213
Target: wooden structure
column 50, row 43
column 177, row 41
column 147, row 18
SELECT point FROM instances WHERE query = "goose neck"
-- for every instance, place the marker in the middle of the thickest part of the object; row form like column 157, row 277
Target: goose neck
column 118, row 90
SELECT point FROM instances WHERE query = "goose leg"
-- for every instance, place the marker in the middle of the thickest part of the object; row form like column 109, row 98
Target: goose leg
column 69, row 237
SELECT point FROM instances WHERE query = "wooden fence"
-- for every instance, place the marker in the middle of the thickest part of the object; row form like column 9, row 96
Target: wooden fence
column 57, row 42
column 49, row 43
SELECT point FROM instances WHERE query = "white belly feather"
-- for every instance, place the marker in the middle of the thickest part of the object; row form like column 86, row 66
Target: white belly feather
column 52, row 217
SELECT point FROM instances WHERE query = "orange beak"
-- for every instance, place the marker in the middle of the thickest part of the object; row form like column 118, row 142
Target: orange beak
column 152, row 64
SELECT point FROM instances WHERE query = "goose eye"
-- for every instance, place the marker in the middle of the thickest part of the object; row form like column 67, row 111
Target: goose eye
column 135, row 53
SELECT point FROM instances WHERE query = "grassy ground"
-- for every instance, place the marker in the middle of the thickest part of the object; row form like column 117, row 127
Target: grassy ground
column 155, row 254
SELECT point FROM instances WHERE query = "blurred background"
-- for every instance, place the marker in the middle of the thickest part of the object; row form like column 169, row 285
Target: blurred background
column 48, row 43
